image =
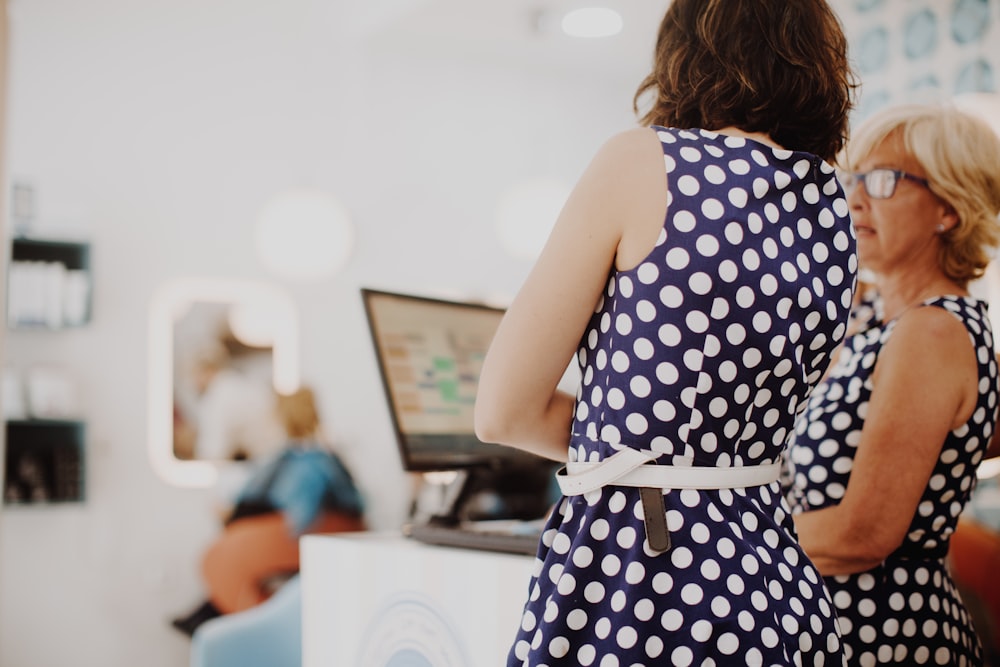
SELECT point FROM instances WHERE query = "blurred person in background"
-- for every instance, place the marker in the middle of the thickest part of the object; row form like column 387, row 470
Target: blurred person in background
column 305, row 488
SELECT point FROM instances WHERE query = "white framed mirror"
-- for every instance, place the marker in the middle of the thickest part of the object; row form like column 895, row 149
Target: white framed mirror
column 218, row 350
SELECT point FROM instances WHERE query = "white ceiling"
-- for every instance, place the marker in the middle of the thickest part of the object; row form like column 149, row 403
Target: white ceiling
column 518, row 31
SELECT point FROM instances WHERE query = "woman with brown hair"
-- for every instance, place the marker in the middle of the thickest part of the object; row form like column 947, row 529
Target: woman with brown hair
column 701, row 273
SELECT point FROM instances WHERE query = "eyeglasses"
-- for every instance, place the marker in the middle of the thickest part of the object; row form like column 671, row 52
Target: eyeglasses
column 879, row 183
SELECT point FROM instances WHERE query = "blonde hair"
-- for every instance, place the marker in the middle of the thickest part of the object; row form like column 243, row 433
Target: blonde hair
column 960, row 155
column 298, row 413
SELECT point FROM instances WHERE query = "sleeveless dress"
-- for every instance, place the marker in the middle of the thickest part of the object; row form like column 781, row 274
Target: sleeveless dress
column 906, row 611
column 704, row 353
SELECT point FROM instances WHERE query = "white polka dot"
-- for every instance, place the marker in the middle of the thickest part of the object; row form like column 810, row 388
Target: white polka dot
column 594, row 592
column 664, row 411
column 681, row 557
column 583, row 556
column 810, row 193
column 602, row 628
column 734, row 233
column 736, row 334
column 684, row 221
column 739, row 166
column 576, row 619
column 728, row 643
column 677, row 258
column 567, row 584
column 620, row 362
column 712, row 209
column 640, row 386
column 688, row 185
column 671, row 296
column 701, row 631
column 623, row 324
column 600, row 529
column 647, row 273
column 760, row 187
column 692, row 594
column 690, row 154
column 697, row 321
column 707, row 245
column 627, row 637
column 615, row 398
column 681, row 657
column 672, row 620
column 789, row 201
column 700, row 283
column 715, row 175
column 645, row 310
column 710, row 570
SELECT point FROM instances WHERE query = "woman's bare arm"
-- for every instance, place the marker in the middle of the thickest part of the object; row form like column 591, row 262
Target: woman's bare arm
column 620, row 196
column 923, row 388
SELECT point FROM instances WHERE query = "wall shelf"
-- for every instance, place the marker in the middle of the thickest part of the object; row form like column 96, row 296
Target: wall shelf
column 49, row 284
column 44, row 461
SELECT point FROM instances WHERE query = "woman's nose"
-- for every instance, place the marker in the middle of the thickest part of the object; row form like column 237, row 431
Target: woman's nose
column 857, row 197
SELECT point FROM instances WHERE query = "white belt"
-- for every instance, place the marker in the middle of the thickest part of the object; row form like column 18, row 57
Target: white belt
column 628, row 468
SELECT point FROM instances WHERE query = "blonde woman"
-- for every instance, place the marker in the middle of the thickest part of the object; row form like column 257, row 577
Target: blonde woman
column 885, row 455
column 305, row 488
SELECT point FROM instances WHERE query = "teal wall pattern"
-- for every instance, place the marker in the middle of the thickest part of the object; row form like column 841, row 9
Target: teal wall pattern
column 921, row 50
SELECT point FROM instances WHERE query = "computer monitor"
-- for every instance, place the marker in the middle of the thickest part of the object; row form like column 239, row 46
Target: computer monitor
column 430, row 352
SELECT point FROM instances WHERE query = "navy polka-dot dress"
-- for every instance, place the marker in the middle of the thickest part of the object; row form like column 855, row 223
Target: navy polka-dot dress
column 906, row 611
column 704, row 353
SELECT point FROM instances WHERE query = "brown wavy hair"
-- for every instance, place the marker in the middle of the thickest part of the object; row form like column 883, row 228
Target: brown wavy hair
column 773, row 66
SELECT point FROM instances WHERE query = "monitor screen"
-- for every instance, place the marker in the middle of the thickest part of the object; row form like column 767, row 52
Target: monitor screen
column 430, row 352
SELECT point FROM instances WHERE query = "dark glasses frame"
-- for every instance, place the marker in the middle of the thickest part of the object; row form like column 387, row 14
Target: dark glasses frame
column 892, row 177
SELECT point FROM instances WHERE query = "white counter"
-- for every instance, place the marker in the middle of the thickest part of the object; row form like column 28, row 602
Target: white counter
column 382, row 600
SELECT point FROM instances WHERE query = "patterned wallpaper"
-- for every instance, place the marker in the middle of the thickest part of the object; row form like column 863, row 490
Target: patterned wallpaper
column 921, row 50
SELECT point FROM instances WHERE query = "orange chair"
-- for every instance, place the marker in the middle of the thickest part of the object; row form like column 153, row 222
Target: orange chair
column 974, row 557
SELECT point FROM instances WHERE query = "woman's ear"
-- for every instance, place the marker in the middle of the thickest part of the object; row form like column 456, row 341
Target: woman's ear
column 949, row 218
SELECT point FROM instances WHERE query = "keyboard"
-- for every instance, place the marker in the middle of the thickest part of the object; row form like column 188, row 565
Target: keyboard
column 516, row 537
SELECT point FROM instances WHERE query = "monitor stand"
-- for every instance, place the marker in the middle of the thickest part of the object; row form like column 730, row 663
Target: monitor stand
column 499, row 492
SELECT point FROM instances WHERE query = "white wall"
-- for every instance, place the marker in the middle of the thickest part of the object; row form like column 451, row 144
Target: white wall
column 156, row 130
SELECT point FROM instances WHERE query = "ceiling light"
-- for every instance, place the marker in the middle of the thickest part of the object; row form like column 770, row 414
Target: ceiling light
column 304, row 235
column 592, row 22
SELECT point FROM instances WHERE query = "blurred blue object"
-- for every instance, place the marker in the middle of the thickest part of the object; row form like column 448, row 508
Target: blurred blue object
column 268, row 635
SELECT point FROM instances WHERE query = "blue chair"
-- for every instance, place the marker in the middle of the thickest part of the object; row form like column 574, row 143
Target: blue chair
column 268, row 635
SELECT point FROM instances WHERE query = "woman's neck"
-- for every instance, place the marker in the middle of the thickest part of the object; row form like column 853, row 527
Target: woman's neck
column 900, row 294
column 756, row 136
